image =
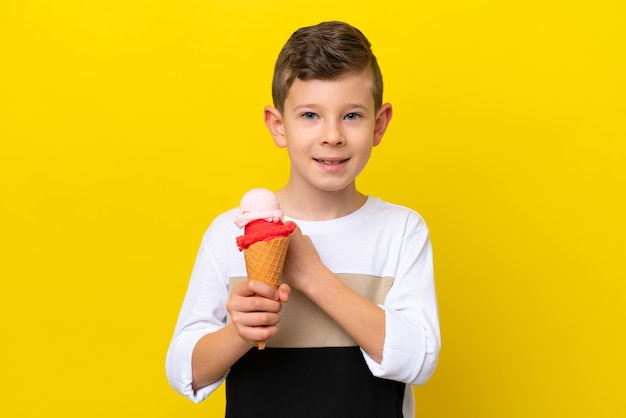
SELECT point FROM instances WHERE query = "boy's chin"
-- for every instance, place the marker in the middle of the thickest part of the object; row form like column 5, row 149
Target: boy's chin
column 337, row 188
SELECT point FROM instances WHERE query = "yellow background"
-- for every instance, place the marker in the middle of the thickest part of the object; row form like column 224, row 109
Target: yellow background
column 125, row 128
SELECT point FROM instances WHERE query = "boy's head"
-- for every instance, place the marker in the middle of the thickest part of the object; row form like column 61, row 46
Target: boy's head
column 324, row 51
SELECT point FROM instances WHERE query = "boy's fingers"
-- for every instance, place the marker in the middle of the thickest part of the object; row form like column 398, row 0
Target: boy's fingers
column 255, row 287
column 283, row 292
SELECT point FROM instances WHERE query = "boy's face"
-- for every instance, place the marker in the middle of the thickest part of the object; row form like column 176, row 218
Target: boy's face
column 329, row 128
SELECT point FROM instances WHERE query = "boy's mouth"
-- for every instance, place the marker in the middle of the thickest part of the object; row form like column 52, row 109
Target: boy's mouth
column 330, row 162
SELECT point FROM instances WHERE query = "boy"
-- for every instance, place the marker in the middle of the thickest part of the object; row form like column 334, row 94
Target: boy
column 357, row 309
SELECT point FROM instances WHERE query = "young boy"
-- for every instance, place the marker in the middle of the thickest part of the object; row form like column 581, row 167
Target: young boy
column 354, row 324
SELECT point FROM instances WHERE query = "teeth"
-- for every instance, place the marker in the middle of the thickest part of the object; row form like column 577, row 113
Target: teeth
column 325, row 162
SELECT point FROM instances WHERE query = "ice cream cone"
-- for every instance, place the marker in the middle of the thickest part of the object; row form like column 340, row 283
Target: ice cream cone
column 265, row 260
column 265, row 239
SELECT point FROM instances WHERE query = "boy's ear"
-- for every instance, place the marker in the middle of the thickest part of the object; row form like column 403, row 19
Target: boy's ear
column 274, row 122
column 383, row 118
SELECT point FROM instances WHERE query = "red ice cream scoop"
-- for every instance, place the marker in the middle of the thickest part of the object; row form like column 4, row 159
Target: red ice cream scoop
column 262, row 230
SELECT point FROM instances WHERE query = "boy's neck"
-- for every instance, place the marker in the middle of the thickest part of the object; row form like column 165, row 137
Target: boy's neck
column 319, row 205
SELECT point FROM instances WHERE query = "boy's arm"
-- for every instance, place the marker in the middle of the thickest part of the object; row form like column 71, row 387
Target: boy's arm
column 196, row 360
column 361, row 319
column 255, row 312
column 214, row 354
column 400, row 339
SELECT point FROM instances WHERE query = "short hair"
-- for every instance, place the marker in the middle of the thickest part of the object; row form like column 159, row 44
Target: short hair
column 324, row 51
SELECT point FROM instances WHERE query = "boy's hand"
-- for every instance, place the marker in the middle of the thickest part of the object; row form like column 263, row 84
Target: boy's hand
column 255, row 308
column 303, row 262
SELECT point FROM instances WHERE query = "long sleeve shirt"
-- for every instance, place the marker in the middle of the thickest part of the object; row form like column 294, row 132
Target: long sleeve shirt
column 382, row 251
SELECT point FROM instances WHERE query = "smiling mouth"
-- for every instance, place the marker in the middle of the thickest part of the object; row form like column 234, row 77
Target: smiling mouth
column 330, row 162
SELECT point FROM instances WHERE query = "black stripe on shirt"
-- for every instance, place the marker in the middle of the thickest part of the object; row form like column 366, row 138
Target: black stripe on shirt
column 309, row 383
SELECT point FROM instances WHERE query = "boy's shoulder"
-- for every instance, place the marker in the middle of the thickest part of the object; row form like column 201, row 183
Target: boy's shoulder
column 383, row 207
column 225, row 222
column 392, row 216
column 227, row 216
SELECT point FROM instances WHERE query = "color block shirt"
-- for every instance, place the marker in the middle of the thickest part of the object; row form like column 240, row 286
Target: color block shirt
column 383, row 252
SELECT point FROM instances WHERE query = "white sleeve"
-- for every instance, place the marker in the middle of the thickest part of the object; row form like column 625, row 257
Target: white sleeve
column 412, row 338
column 203, row 311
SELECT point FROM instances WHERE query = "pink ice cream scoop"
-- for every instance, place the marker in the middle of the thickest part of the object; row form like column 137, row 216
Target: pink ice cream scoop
column 258, row 204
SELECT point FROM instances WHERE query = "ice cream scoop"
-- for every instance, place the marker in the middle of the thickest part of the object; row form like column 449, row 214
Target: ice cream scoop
column 259, row 204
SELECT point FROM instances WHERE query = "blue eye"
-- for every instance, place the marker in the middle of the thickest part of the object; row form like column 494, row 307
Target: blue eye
column 352, row 116
column 309, row 115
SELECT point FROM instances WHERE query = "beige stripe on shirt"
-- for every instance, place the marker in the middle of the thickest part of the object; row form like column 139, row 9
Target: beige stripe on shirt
column 303, row 324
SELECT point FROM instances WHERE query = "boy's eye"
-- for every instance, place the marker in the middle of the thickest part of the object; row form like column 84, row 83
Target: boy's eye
column 309, row 115
column 352, row 116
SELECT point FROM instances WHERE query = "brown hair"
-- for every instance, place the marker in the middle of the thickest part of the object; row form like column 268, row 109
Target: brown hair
column 324, row 51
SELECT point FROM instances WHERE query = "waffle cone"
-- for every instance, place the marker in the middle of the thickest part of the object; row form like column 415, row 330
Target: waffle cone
column 265, row 260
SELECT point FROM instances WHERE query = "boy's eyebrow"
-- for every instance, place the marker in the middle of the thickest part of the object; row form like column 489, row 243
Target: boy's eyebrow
column 358, row 106
column 302, row 106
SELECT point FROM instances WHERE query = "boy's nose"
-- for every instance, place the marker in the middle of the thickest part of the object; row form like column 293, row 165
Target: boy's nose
column 333, row 135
